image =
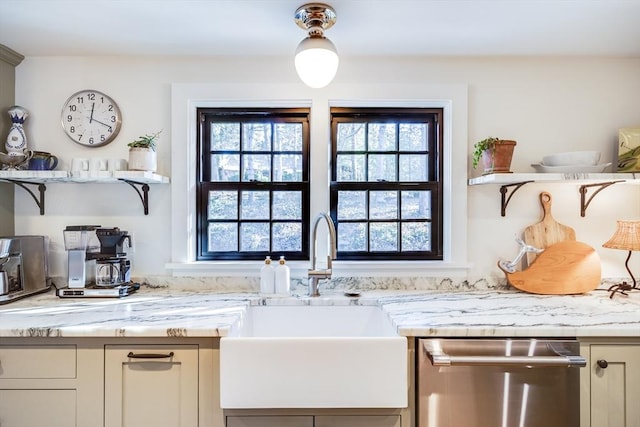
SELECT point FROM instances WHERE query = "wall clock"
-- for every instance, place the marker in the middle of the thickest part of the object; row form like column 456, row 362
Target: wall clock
column 91, row 118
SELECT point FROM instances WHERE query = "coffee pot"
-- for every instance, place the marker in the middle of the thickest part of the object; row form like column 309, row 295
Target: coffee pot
column 11, row 269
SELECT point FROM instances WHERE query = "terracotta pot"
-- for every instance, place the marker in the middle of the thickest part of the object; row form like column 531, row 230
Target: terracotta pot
column 498, row 158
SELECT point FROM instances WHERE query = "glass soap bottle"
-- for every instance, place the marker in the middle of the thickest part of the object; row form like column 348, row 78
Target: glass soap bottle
column 267, row 277
column 283, row 280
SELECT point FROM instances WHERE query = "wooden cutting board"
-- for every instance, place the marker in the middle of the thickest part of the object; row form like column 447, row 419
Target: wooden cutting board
column 546, row 232
column 567, row 267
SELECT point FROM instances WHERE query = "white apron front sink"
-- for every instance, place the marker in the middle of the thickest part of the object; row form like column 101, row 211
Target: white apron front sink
column 314, row 357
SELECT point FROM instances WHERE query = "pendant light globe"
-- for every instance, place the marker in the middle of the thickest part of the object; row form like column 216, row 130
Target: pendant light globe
column 316, row 61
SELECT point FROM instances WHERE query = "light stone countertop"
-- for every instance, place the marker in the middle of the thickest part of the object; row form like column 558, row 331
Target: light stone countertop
column 164, row 312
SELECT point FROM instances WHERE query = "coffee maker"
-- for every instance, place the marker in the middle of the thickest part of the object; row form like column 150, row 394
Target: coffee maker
column 97, row 265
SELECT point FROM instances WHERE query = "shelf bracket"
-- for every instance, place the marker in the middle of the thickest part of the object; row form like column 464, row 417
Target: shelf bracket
column 584, row 202
column 144, row 194
column 24, row 185
column 506, row 199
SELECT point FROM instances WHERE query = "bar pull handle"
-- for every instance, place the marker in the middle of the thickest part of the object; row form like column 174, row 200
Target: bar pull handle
column 133, row 355
column 443, row 359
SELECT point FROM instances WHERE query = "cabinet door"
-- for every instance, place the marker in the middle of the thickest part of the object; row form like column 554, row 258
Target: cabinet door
column 270, row 421
column 151, row 385
column 358, row 421
column 29, row 408
column 615, row 389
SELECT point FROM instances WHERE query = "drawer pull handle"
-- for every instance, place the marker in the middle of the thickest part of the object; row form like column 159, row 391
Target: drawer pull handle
column 133, row 355
column 602, row 363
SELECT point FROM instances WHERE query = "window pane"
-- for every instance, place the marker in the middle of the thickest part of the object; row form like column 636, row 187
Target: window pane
column 256, row 137
column 352, row 205
column 225, row 167
column 287, row 137
column 223, row 205
column 254, row 236
column 383, row 205
column 287, row 167
column 256, row 167
column 287, row 205
column 223, row 237
column 382, row 137
column 225, row 136
column 287, row 236
column 413, row 167
column 382, row 167
column 416, row 236
column 416, row 205
column 413, row 136
column 351, row 167
column 351, row 137
column 383, row 236
column 352, row 237
column 255, row 205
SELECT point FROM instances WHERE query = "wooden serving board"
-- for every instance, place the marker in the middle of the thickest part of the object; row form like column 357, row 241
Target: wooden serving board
column 546, row 232
column 567, row 267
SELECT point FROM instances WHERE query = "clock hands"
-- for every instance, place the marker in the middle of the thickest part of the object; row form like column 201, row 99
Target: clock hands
column 102, row 123
column 93, row 105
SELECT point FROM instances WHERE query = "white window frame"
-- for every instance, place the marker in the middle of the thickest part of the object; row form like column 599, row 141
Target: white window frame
column 187, row 97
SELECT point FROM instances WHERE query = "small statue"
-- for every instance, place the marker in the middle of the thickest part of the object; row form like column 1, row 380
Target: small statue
column 17, row 140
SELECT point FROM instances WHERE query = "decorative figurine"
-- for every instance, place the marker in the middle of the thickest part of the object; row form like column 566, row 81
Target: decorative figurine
column 17, row 140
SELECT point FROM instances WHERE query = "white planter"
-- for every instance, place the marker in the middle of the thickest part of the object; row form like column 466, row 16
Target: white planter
column 143, row 159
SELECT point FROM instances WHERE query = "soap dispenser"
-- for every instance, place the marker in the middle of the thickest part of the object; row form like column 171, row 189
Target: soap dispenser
column 283, row 280
column 267, row 277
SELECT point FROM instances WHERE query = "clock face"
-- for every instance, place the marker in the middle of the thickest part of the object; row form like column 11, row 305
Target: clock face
column 91, row 118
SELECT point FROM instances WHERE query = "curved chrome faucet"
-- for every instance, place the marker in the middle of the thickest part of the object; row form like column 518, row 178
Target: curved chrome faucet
column 314, row 274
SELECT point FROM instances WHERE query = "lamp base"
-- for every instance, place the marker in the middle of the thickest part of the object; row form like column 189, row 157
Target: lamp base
column 621, row 288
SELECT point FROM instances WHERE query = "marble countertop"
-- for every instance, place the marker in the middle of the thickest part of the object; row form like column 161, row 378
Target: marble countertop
column 180, row 313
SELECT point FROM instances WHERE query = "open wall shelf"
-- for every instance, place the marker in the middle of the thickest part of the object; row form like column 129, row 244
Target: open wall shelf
column 512, row 182
column 34, row 182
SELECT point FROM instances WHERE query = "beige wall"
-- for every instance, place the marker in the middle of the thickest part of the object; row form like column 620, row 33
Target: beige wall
column 546, row 104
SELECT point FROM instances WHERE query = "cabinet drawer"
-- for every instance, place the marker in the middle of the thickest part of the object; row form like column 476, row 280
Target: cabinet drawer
column 37, row 361
column 270, row 421
column 28, row 408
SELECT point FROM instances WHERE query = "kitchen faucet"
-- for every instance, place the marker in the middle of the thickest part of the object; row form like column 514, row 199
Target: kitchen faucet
column 314, row 274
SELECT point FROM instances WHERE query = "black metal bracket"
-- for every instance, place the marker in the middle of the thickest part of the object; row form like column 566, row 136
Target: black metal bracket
column 24, row 185
column 584, row 202
column 506, row 199
column 144, row 195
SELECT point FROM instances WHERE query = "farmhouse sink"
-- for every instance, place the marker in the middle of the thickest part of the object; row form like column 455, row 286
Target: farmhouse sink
column 313, row 357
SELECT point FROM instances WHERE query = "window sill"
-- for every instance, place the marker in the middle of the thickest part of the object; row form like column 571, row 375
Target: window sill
column 340, row 269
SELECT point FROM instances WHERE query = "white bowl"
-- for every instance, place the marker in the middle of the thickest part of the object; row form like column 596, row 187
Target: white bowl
column 572, row 158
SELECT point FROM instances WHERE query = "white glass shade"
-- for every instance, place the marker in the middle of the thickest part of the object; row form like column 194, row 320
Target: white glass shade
column 316, row 61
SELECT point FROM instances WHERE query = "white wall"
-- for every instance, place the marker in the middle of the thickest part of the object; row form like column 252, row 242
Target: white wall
column 546, row 104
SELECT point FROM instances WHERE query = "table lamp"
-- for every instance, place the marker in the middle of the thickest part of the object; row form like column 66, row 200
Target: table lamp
column 626, row 237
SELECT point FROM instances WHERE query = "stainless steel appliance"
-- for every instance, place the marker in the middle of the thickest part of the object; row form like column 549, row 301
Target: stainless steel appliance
column 498, row 383
column 23, row 267
column 97, row 265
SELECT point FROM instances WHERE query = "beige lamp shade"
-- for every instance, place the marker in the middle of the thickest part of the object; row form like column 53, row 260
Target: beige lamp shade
column 626, row 236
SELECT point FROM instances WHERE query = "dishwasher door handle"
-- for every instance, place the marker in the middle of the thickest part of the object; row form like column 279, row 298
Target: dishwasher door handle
column 443, row 359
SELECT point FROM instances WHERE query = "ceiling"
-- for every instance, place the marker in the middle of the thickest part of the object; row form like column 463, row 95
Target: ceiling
column 363, row 27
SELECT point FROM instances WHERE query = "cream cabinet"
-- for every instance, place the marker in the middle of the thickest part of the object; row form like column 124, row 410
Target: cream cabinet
column 615, row 385
column 109, row 382
column 152, row 385
column 313, row 418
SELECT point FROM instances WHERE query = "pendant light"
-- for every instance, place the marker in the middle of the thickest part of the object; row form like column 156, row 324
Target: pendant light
column 316, row 57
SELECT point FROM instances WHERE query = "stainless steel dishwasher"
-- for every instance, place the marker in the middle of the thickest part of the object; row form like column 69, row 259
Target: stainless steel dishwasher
column 498, row 383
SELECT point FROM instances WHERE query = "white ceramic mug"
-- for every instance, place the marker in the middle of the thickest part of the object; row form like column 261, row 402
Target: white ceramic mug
column 79, row 166
column 97, row 164
column 117, row 165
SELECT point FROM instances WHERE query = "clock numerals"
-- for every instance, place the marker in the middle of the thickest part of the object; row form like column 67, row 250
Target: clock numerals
column 91, row 118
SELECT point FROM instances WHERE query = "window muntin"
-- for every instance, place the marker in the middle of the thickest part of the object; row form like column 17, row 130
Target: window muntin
column 253, row 183
column 386, row 183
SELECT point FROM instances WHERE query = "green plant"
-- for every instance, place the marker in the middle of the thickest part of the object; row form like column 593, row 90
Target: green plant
column 145, row 141
column 480, row 146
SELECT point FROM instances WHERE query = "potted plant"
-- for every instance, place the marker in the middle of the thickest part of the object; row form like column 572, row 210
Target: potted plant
column 142, row 153
column 495, row 153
